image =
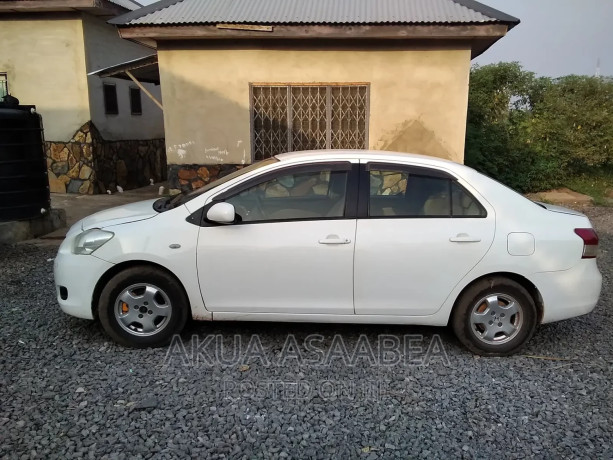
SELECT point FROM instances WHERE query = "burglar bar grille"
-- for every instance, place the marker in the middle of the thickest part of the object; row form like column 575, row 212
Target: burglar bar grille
column 4, row 90
column 287, row 118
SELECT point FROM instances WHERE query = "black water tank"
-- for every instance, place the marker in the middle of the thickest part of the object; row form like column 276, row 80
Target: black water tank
column 24, row 185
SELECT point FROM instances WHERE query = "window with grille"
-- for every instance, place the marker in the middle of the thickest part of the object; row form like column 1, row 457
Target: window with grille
column 4, row 85
column 287, row 118
column 136, row 107
column 110, row 99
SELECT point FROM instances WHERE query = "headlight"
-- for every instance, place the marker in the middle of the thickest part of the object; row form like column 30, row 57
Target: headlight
column 90, row 240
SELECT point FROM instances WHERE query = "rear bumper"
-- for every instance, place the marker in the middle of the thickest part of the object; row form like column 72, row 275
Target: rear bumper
column 75, row 279
column 569, row 293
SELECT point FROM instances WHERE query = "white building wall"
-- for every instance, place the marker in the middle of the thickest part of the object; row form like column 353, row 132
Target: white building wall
column 104, row 48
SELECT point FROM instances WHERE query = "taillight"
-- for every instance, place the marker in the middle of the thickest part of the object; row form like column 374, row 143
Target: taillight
column 590, row 242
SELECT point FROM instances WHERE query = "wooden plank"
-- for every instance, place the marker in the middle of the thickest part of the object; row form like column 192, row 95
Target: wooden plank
column 253, row 27
column 145, row 90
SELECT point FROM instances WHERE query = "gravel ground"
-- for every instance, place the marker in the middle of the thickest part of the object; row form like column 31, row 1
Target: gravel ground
column 67, row 392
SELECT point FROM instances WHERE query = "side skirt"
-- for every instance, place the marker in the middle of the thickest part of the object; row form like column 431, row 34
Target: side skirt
column 439, row 319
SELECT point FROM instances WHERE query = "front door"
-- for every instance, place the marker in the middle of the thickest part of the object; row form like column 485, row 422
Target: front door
column 293, row 250
column 422, row 234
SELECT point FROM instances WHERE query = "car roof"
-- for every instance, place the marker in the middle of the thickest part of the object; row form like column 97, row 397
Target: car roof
column 373, row 155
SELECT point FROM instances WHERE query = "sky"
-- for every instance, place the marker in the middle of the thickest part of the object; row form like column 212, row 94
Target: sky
column 555, row 37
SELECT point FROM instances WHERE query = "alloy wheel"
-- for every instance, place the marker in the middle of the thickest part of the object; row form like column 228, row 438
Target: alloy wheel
column 496, row 318
column 143, row 309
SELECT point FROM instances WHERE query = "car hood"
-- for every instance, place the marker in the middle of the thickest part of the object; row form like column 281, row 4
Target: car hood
column 120, row 215
column 560, row 209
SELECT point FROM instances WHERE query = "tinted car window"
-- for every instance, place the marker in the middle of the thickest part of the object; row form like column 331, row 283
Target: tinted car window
column 301, row 195
column 463, row 204
column 396, row 193
column 386, row 183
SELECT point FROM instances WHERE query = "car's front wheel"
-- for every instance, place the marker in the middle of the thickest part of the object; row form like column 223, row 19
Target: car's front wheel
column 495, row 317
column 142, row 307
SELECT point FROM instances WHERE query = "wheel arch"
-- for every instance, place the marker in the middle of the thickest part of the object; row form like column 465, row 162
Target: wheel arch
column 115, row 269
column 522, row 280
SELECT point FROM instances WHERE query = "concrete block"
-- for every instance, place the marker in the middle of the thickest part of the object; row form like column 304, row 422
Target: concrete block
column 15, row 231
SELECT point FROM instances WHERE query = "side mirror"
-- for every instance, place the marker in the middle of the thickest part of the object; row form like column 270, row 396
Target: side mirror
column 221, row 213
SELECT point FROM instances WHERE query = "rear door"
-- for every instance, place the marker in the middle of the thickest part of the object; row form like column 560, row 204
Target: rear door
column 419, row 232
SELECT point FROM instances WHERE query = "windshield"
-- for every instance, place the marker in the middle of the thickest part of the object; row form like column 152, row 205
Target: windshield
column 177, row 200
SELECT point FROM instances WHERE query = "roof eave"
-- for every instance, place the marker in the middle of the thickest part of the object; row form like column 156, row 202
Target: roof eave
column 156, row 6
column 482, row 31
column 486, row 10
column 145, row 69
column 95, row 7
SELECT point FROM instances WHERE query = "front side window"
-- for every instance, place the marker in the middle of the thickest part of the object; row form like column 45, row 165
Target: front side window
column 4, row 85
column 404, row 193
column 315, row 194
column 110, row 99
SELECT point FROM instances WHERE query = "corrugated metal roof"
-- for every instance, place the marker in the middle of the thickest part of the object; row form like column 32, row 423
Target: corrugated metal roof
column 144, row 69
column 127, row 4
column 174, row 12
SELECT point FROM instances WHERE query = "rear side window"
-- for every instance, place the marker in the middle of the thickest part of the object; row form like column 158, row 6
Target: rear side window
column 397, row 193
column 463, row 204
column 386, row 183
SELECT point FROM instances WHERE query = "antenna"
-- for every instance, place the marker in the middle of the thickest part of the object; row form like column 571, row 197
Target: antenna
column 597, row 68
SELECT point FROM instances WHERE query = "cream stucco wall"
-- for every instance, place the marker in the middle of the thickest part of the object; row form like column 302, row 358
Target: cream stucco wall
column 104, row 48
column 45, row 63
column 418, row 97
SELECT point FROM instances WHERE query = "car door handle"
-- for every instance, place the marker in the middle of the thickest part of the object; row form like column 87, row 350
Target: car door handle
column 334, row 239
column 464, row 238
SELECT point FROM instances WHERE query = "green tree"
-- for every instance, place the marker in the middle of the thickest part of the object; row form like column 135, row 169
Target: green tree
column 573, row 123
column 538, row 133
column 501, row 98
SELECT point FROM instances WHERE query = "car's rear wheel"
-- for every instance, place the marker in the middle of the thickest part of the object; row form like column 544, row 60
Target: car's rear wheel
column 142, row 307
column 495, row 317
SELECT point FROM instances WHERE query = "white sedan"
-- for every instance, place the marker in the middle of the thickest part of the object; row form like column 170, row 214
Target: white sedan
column 335, row 237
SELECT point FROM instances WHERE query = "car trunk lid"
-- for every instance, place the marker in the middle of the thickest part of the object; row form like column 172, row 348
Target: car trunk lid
column 559, row 209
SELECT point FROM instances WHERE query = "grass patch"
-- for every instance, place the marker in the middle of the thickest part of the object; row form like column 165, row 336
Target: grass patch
column 598, row 185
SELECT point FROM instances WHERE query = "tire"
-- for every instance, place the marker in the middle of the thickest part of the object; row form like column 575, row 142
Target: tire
column 495, row 317
column 142, row 307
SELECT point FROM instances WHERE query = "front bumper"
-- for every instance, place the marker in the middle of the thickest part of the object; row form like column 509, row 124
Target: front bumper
column 78, row 275
column 569, row 293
